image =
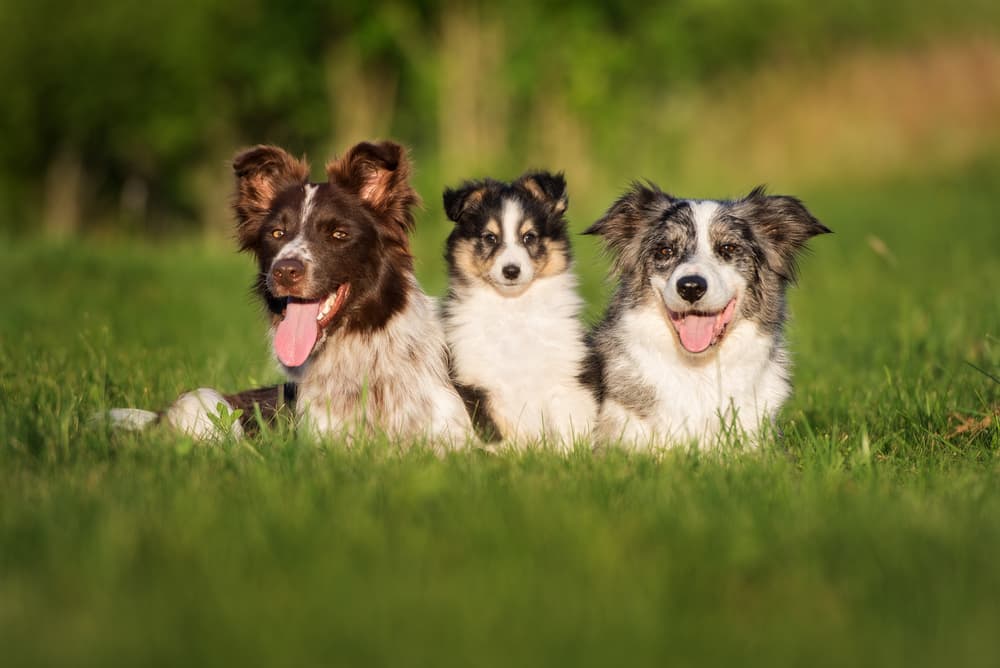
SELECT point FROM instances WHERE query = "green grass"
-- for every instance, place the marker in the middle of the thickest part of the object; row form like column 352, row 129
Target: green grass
column 870, row 536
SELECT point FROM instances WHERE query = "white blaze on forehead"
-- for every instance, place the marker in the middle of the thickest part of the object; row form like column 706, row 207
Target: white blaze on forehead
column 307, row 203
column 703, row 213
column 510, row 221
column 512, row 252
column 298, row 247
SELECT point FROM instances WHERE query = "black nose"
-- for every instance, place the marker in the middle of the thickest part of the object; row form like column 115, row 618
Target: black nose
column 511, row 271
column 288, row 272
column 691, row 288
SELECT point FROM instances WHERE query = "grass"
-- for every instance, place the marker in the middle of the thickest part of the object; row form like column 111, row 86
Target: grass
column 868, row 537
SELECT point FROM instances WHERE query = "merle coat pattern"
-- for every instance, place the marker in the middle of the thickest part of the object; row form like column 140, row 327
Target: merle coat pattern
column 692, row 345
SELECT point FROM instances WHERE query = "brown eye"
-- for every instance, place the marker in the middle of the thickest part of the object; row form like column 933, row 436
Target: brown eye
column 666, row 251
column 489, row 239
column 277, row 234
column 726, row 251
column 339, row 235
column 529, row 238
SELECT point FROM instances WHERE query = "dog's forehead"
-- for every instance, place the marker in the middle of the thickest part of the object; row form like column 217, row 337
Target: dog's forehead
column 302, row 200
column 329, row 197
column 289, row 198
column 503, row 204
column 677, row 219
column 730, row 220
column 323, row 202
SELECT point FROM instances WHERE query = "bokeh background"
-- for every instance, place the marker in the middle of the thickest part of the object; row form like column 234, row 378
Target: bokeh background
column 118, row 120
column 867, row 536
column 119, row 117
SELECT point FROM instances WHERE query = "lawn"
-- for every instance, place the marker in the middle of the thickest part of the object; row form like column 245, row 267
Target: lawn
column 869, row 536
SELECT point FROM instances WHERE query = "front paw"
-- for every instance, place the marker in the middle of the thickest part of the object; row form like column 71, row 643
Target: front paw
column 204, row 414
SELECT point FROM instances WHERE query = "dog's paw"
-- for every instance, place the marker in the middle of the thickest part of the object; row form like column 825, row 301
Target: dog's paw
column 204, row 414
column 129, row 419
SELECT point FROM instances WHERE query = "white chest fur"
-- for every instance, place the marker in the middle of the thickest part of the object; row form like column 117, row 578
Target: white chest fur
column 743, row 384
column 393, row 380
column 526, row 353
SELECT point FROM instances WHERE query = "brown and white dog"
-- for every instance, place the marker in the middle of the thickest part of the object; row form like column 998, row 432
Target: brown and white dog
column 350, row 325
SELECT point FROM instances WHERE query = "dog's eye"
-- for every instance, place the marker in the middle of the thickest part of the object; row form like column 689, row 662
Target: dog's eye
column 490, row 239
column 529, row 238
column 277, row 234
column 339, row 235
column 665, row 251
column 726, row 251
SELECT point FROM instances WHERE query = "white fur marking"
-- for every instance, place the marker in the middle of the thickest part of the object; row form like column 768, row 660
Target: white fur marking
column 131, row 419
column 298, row 249
column 743, row 383
column 193, row 414
column 513, row 251
column 526, row 353
column 404, row 364
column 307, row 203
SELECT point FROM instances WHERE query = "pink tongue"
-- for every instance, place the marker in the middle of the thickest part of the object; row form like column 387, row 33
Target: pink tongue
column 696, row 331
column 297, row 333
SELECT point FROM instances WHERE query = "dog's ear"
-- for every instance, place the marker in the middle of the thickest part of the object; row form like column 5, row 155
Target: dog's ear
column 262, row 172
column 378, row 173
column 621, row 227
column 463, row 198
column 547, row 188
column 782, row 225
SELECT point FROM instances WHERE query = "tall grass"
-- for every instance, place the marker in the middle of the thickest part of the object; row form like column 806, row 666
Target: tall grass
column 867, row 536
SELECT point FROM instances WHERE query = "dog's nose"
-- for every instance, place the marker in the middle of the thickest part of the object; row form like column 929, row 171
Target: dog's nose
column 511, row 271
column 288, row 272
column 691, row 288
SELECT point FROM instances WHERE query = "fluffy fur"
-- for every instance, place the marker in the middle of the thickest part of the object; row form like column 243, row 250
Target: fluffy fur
column 692, row 345
column 351, row 328
column 375, row 359
column 512, row 314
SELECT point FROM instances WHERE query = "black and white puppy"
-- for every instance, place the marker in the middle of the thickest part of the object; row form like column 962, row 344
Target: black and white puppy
column 512, row 314
column 693, row 343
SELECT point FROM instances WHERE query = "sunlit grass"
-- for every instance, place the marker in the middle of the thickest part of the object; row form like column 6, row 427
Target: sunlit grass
column 867, row 535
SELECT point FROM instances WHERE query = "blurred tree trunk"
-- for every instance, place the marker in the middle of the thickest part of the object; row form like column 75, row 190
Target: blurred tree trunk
column 473, row 97
column 61, row 208
column 213, row 183
column 362, row 99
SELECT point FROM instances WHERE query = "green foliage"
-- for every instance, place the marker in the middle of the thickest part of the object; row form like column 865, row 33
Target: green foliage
column 868, row 536
column 147, row 98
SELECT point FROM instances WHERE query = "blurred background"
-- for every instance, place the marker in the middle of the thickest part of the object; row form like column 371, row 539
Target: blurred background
column 119, row 118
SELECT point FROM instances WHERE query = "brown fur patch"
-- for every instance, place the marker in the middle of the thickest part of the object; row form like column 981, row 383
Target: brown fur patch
column 379, row 173
column 532, row 185
column 555, row 261
column 276, row 401
column 467, row 260
column 262, row 172
column 470, row 200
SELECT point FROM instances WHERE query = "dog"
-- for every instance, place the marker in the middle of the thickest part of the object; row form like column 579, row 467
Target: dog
column 512, row 312
column 352, row 330
column 692, row 346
